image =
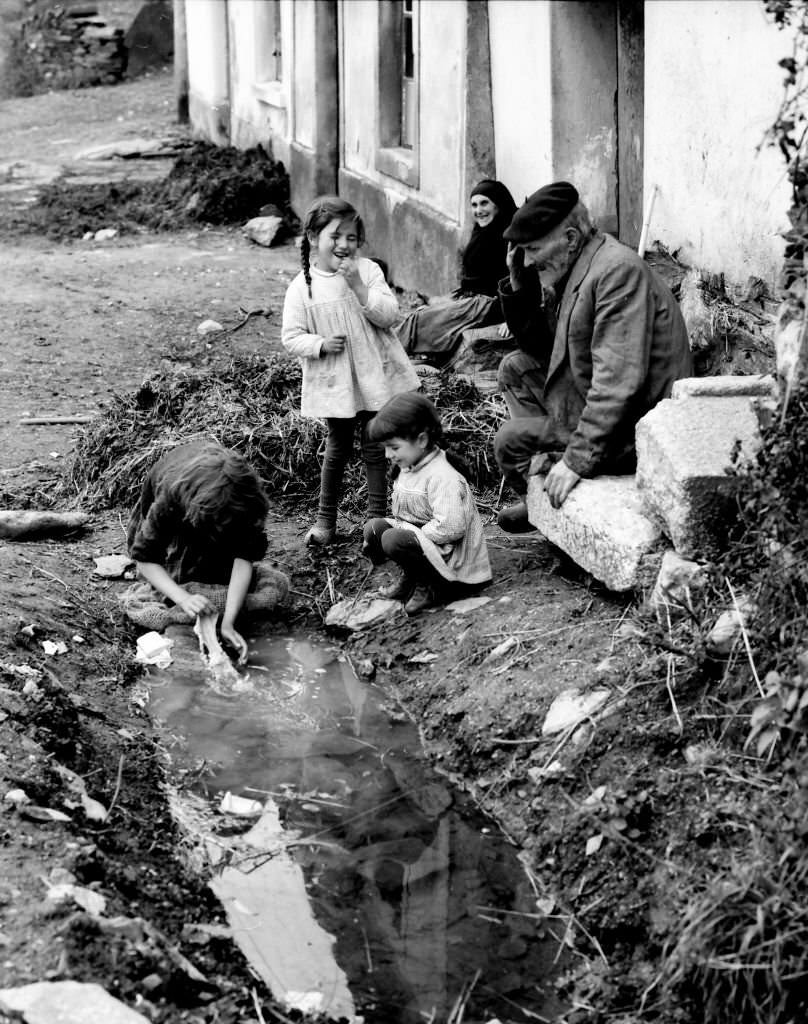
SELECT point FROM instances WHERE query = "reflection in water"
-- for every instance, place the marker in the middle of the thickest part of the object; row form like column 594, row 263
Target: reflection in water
column 422, row 894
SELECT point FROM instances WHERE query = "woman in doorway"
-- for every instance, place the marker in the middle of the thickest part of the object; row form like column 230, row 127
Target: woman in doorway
column 432, row 333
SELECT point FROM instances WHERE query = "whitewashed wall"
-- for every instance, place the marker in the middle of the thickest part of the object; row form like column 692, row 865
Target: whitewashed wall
column 712, row 87
column 441, row 127
column 259, row 109
column 521, row 90
column 206, row 23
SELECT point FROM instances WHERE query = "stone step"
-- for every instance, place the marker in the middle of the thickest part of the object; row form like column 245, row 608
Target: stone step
column 685, row 447
column 602, row 528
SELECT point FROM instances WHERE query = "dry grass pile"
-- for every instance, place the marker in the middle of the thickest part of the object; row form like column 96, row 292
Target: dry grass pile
column 251, row 405
column 742, row 953
column 470, row 421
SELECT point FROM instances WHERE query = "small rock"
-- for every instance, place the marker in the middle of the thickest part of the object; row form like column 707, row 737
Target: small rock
column 18, row 797
column 500, row 650
column 679, row 578
column 728, row 628
column 467, row 604
column 367, row 611
column 68, row 1002
column 112, row 567
column 32, row 690
column 365, row 669
column 105, row 234
column 53, row 647
column 699, row 754
column 571, row 707
column 422, row 658
column 209, row 327
column 263, row 230
column 92, row 902
column 594, row 843
column 61, row 876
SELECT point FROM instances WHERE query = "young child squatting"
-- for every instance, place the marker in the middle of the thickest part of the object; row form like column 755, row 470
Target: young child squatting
column 435, row 534
column 200, row 518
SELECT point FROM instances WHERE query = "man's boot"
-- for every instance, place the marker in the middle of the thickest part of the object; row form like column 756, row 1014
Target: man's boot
column 513, row 519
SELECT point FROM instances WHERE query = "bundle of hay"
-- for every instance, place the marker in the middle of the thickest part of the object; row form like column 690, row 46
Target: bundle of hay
column 252, row 405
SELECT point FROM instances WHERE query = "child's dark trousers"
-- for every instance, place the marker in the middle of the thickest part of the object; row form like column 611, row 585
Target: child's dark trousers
column 383, row 542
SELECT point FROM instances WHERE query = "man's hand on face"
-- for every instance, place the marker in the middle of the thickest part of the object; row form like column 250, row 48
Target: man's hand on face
column 515, row 260
column 559, row 482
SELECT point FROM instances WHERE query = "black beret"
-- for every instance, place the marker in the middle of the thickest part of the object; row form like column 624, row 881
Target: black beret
column 541, row 212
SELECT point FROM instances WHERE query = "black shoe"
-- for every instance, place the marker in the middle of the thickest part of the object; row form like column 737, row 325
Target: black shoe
column 400, row 590
column 513, row 519
column 422, row 598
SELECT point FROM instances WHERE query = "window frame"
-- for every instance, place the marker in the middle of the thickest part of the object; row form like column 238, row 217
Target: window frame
column 268, row 68
column 394, row 158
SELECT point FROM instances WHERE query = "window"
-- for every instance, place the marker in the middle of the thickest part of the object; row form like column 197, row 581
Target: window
column 268, row 51
column 398, row 90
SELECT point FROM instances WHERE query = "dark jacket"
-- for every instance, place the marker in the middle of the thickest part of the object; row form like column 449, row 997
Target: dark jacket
column 159, row 530
column 619, row 344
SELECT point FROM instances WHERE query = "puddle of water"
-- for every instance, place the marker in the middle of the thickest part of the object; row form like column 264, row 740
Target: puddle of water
column 368, row 885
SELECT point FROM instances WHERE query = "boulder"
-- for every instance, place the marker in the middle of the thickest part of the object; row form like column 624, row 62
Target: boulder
column 602, row 527
column 685, row 447
column 263, row 230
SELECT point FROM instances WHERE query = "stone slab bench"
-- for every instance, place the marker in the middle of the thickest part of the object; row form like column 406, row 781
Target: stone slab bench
column 685, row 445
column 615, row 527
column 602, row 528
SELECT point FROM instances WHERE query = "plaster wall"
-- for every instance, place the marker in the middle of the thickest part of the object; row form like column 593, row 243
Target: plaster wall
column 208, row 95
column 712, row 88
column 584, row 91
column 521, row 87
column 442, row 28
column 259, row 110
column 305, row 85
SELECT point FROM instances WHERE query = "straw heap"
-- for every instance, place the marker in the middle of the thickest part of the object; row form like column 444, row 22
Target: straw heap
column 252, row 405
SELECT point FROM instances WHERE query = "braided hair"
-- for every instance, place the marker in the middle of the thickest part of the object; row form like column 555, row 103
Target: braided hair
column 320, row 213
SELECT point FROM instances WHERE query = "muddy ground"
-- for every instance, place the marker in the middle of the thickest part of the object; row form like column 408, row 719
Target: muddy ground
column 614, row 820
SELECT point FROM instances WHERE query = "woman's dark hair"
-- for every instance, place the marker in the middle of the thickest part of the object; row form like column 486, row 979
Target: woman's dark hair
column 406, row 416
column 217, row 487
column 320, row 213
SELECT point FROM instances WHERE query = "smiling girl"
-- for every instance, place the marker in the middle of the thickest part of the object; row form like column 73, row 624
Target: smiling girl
column 435, row 535
column 337, row 316
column 432, row 333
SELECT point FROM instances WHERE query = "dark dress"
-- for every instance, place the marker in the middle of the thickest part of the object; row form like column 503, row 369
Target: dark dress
column 436, row 329
column 159, row 530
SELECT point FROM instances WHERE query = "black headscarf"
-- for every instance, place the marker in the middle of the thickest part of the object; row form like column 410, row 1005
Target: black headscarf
column 483, row 264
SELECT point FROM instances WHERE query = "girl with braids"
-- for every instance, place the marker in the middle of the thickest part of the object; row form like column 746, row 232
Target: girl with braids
column 337, row 318
column 435, row 535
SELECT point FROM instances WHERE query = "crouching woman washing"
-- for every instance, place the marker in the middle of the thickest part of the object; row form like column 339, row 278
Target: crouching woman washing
column 435, row 534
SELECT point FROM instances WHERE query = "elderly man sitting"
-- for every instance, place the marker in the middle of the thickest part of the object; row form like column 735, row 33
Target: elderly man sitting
column 601, row 341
